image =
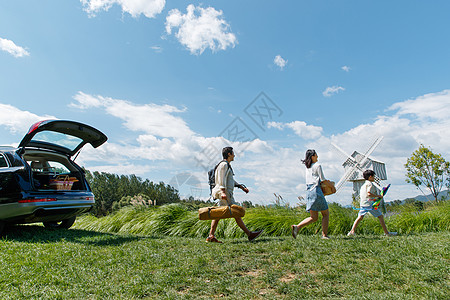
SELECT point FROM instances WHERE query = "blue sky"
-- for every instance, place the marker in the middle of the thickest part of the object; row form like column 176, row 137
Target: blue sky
column 168, row 80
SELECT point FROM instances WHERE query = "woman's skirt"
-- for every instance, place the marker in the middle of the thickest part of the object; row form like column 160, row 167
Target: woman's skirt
column 315, row 200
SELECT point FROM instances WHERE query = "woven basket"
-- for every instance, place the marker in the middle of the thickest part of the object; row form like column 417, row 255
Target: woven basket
column 62, row 183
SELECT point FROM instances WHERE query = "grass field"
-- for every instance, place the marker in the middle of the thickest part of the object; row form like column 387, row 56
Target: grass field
column 82, row 264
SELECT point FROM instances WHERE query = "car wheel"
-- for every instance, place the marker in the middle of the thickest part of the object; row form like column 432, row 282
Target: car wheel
column 67, row 223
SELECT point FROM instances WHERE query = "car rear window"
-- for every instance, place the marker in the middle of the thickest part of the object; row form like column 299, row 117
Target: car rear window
column 58, row 167
column 56, row 138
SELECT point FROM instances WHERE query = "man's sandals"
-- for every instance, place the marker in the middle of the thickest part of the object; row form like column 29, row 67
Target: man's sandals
column 212, row 239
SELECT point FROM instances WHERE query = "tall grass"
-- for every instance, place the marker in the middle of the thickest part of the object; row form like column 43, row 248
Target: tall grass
column 178, row 220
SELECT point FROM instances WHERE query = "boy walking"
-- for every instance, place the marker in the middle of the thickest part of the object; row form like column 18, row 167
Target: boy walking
column 368, row 195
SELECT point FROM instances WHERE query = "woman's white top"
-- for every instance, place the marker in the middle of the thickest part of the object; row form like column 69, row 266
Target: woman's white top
column 314, row 174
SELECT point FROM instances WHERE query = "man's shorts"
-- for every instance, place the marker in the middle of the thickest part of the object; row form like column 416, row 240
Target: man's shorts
column 369, row 209
column 223, row 202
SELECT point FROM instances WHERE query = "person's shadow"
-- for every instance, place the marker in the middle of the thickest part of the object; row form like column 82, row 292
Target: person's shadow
column 38, row 234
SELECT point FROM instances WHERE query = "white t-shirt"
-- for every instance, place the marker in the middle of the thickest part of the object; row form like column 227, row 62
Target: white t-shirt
column 365, row 199
column 224, row 179
column 314, row 174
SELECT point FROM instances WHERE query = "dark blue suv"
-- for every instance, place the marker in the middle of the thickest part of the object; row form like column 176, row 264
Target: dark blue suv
column 40, row 182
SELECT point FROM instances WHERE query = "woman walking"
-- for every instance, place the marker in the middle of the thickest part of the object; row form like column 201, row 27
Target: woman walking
column 315, row 200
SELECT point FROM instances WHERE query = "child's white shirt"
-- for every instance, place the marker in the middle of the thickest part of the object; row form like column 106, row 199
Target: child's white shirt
column 367, row 187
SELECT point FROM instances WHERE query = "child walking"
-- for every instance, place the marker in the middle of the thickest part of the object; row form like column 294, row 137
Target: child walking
column 368, row 194
column 315, row 200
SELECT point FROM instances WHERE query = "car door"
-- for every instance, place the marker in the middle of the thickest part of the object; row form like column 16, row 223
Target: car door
column 63, row 136
column 8, row 184
column 3, row 173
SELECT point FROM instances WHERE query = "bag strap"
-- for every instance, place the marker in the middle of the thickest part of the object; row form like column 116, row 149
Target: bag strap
column 229, row 209
column 228, row 163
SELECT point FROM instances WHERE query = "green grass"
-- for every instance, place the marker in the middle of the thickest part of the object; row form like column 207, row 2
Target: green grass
column 80, row 264
column 160, row 253
column 177, row 220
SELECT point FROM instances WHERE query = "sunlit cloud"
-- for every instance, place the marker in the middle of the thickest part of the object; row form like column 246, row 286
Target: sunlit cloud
column 157, row 49
column 148, row 8
column 159, row 133
column 331, row 90
column 10, row 47
column 19, row 121
column 159, row 138
column 300, row 128
column 200, row 29
column 408, row 125
column 434, row 106
column 280, row 62
column 158, row 120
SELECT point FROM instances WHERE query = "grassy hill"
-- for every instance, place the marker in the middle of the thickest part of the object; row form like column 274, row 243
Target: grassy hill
column 79, row 264
column 422, row 198
column 92, row 262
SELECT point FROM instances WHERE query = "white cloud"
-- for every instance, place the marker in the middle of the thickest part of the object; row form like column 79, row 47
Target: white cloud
column 434, row 106
column 346, row 68
column 280, row 62
column 157, row 49
column 414, row 121
column 149, row 8
column 156, row 133
column 13, row 49
column 329, row 91
column 125, row 168
column 150, row 118
column 200, row 28
column 265, row 166
column 85, row 101
column 300, row 128
column 18, row 121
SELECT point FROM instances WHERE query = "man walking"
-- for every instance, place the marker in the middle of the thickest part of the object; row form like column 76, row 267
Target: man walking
column 223, row 191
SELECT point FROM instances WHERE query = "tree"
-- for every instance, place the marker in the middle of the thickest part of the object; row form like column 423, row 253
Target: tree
column 113, row 191
column 425, row 168
column 416, row 203
column 247, row 204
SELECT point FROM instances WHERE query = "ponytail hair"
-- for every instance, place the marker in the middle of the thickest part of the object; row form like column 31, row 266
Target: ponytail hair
column 308, row 160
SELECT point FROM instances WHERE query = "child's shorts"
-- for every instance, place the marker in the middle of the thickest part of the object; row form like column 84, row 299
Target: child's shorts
column 368, row 209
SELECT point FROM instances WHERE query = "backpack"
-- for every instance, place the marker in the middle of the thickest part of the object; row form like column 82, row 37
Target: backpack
column 212, row 175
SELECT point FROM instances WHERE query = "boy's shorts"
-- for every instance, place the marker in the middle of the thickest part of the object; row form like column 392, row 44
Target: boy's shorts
column 368, row 209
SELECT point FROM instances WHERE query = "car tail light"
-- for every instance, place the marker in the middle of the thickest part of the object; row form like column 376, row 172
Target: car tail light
column 35, row 126
column 89, row 198
column 37, row 200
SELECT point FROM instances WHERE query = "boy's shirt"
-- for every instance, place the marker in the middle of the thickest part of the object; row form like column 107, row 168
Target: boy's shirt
column 363, row 193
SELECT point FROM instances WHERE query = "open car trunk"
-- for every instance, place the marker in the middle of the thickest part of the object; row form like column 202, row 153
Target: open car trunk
column 53, row 171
